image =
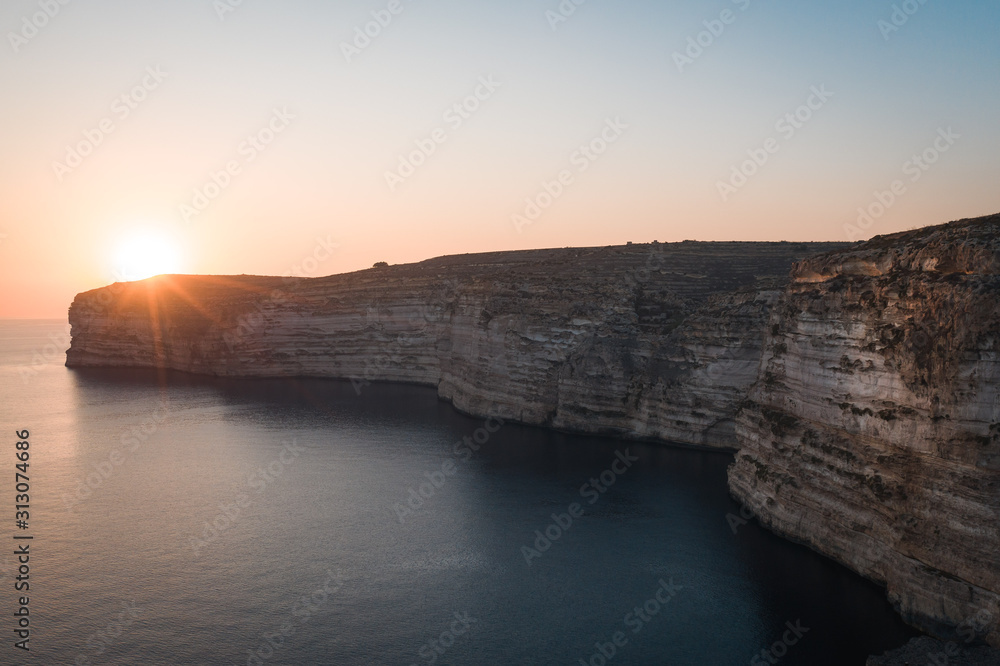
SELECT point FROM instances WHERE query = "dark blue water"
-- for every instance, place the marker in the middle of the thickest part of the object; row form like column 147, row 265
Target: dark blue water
column 187, row 520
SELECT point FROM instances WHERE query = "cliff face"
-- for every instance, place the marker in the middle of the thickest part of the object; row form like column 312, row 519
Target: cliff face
column 658, row 341
column 873, row 431
column 863, row 392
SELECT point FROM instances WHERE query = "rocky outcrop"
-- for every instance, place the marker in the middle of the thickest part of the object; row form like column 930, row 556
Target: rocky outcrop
column 863, row 392
column 648, row 341
column 873, row 431
column 927, row 651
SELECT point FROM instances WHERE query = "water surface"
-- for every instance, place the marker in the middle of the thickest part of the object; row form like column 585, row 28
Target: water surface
column 187, row 520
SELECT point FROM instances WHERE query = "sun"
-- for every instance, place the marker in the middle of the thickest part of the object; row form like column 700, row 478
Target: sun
column 143, row 256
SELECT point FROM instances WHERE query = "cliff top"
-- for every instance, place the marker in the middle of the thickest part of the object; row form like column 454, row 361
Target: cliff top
column 968, row 246
column 688, row 270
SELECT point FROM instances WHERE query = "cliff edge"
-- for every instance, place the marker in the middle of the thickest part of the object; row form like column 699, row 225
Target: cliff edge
column 873, row 431
column 860, row 385
column 649, row 341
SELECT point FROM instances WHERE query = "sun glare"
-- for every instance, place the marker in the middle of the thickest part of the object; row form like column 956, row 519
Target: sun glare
column 140, row 257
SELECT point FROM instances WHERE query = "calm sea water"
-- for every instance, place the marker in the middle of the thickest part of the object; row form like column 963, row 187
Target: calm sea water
column 187, row 520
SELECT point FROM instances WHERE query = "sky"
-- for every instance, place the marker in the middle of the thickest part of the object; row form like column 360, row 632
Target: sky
column 311, row 138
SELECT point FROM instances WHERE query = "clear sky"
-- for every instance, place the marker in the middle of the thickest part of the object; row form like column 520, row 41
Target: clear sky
column 266, row 137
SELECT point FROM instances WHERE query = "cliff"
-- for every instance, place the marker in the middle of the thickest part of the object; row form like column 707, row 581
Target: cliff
column 873, row 431
column 861, row 390
column 926, row 651
column 650, row 341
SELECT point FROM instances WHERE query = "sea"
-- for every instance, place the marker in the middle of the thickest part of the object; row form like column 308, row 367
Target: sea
column 170, row 518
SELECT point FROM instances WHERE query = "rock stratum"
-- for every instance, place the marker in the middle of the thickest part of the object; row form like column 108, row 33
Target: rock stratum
column 873, row 431
column 654, row 341
column 858, row 383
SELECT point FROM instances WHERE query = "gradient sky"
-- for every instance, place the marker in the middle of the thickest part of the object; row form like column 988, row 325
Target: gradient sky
column 322, row 178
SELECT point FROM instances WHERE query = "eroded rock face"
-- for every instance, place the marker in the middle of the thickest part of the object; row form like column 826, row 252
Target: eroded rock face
column 926, row 651
column 657, row 341
column 868, row 382
column 873, row 431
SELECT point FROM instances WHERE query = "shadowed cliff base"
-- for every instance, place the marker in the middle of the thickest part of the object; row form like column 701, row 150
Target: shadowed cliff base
column 926, row 651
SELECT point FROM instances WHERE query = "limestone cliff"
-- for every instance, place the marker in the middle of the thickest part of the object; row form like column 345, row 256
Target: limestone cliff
column 652, row 341
column 863, row 392
column 873, row 431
